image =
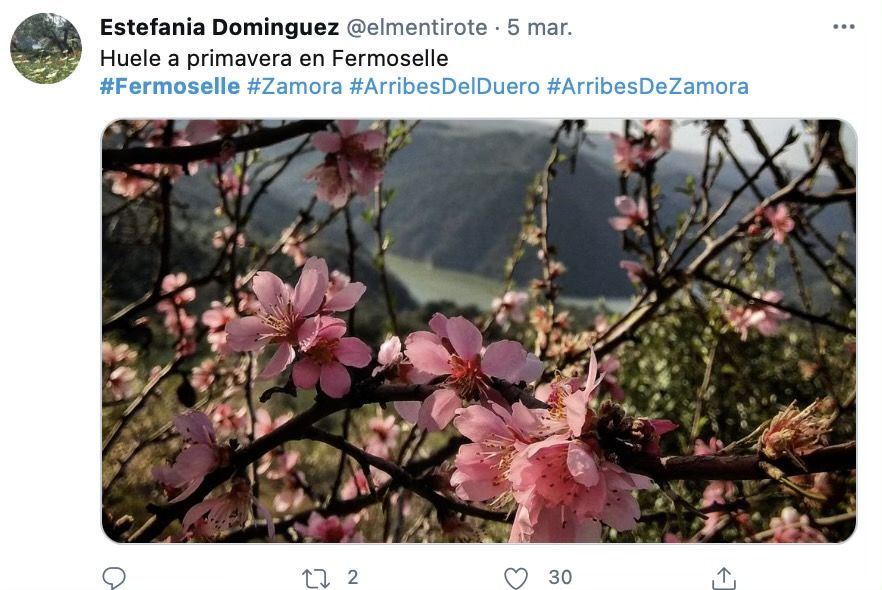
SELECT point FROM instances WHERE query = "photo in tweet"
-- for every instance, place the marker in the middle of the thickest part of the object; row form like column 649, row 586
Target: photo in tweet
column 402, row 331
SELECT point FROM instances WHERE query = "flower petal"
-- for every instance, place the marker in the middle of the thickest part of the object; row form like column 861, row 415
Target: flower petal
column 335, row 380
column 409, row 411
column 271, row 291
column 465, row 337
column 346, row 298
column 583, row 465
column 327, row 141
column 438, row 410
column 427, row 356
column 504, row 360
column 283, row 357
column 477, row 423
column 352, row 352
column 305, row 373
column 248, row 334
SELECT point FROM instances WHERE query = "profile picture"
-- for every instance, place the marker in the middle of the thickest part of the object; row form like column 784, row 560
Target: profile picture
column 45, row 48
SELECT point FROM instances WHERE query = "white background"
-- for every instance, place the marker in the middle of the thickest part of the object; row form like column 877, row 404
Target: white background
column 797, row 64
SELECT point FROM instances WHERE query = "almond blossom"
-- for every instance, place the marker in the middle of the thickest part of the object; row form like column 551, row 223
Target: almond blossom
column 758, row 315
column 510, row 308
column 204, row 130
column 264, row 423
column 383, row 435
column 660, row 130
column 552, row 461
column 565, row 489
column 454, row 350
column 114, row 355
column 633, row 214
column 793, row 527
column 353, row 162
column 231, row 185
column 284, row 310
column 202, row 375
column 332, row 529
column 781, row 221
column 325, row 355
column 228, row 421
column 627, row 156
column 216, row 320
column 717, row 492
column 210, row 518
column 201, row 455
column 637, row 273
column 482, row 467
column 120, row 382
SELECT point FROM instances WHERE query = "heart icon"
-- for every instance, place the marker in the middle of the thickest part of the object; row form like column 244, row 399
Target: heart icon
column 516, row 578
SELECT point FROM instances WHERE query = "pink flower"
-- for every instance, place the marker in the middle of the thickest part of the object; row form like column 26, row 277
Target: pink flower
column 482, row 467
column 510, row 308
column 390, row 354
column 222, row 238
column 455, row 350
column 711, row 447
column 231, row 185
column 552, row 463
column 326, row 354
column 120, row 382
column 202, row 375
column 284, row 311
column 636, row 272
column 329, row 530
column 355, row 486
column 569, row 401
column 132, row 186
column 216, row 320
column 201, row 456
column 629, row 157
column 295, row 249
column 353, row 162
column 633, row 213
column 383, row 435
column 793, row 527
column 717, row 492
column 565, row 490
column 283, row 467
column 397, row 369
column 176, row 283
column 264, row 423
column 209, row 518
column 115, row 355
column 228, row 421
column 758, row 315
column 204, row 130
column 781, row 221
column 660, row 130
column 609, row 366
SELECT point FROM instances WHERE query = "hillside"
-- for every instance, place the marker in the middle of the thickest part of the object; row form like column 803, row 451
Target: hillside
column 460, row 188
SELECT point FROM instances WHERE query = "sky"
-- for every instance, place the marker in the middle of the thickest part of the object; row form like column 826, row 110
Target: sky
column 688, row 137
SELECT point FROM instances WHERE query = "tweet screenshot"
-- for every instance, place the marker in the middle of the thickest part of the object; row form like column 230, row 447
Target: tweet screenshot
column 480, row 296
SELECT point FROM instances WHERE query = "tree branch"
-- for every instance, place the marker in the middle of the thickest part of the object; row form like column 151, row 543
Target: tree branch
column 120, row 159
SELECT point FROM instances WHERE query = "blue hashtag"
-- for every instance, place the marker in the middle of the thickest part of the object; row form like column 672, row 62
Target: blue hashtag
column 253, row 85
column 356, row 85
column 106, row 85
column 554, row 85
